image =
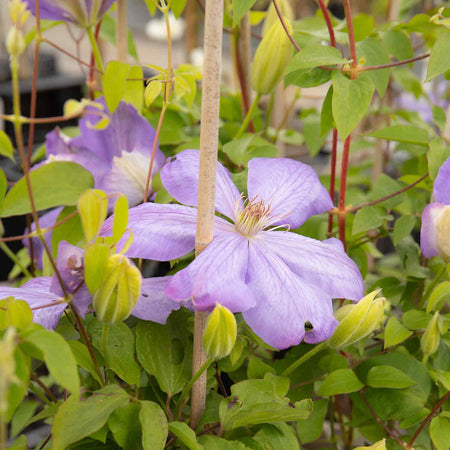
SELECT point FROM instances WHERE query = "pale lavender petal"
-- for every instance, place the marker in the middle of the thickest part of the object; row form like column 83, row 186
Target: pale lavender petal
column 285, row 302
column 37, row 294
column 180, row 177
column 428, row 236
column 217, row 275
column 441, row 188
column 291, row 188
column 52, row 10
column 323, row 264
column 153, row 303
column 162, row 232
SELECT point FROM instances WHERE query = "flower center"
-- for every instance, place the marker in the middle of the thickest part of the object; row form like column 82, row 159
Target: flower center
column 252, row 216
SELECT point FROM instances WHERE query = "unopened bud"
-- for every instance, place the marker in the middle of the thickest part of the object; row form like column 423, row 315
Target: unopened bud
column 443, row 233
column 271, row 59
column 432, row 336
column 15, row 42
column 18, row 12
column 119, row 290
column 272, row 16
column 7, row 367
column 93, row 208
column 357, row 321
column 14, row 313
column 220, row 333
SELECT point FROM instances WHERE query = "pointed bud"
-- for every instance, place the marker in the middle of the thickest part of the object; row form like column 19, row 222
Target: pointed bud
column 429, row 342
column 220, row 333
column 442, row 234
column 93, row 208
column 271, row 59
column 119, row 290
column 272, row 15
column 7, row 367
column 15, row 42
column 357, row 321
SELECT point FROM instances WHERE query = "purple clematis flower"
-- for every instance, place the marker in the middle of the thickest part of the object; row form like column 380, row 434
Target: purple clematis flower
column 435, row 231
column 279, row 280
column 46, row 298
column 84, row 13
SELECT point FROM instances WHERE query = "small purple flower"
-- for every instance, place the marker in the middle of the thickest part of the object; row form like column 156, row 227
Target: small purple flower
column 84, row 13
column 279, row 280
column 435, row 231
column 46, row 298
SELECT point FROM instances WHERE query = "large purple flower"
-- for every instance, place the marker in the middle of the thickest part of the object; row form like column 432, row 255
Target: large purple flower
column 435, row 231
column 279, row 280
column 84, row 13
column 46, row 298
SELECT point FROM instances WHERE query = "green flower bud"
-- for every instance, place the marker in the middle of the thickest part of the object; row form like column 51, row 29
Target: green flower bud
column 7, row 367
column 119, row 290
column 357, row 321
column 432, row 336
column 442, row 234
column 220, row 333
column 272, row 16
column 14, row 313
column 15, row 42
column 271, row 59
column 93, row 208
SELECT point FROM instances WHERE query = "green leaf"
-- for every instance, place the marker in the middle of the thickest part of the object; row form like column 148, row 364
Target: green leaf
column 6, row 148
column 134, row 88
column 351, row 100
column 19, row 444
column 260, row 401
column 108, row 32
column 439, row 60
column 54, row 184
column 436, row 156
column 277, row 436
column 177, row 7
column 58, row 358
column 314, row 56
column 77, row 419
column 397, row 43
column 113, row 83
column 342, row 381
column 185, row 434
column 83, row 359
column 326, row 115
column 217, row 443
column 3, row 186
column 395, row 333
column 368, row 218
column 22, row 415
column 374, row 53
column 385, row 186
column 125, row 427
column 70, row 231
column 388, row 377
column 311, row 130
column 307, row 78
column 440, row 294
column 363, row 25
column 121, row 350
column 310, row 429
column 402, row 133
column 163, row 351
column 402, row 228
column 242, row 150
column 154, row 426
column 440, row 432
column 18, row 390
column 240, row 8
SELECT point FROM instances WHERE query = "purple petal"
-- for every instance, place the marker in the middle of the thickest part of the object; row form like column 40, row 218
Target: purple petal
column 322, row 264
column 180, row 177
column 153, row 304
column 285, row 302
column 441, row 188
column 53, row 10
column 37, row 294
column 428, row 235
column 291, row 188
column 162, row 232
column 217, row 275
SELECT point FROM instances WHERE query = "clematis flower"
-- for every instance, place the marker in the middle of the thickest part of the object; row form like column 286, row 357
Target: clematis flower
column 435, row 231
column 46, row 298
column 83, row 13
column 279, row 280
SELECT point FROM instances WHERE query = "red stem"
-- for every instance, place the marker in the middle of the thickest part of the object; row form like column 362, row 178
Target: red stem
column 327, row 17
column 283, row 23
column 333, row 176
column 395, row 63
column 351, row 34
column 92, row 65
column 342, row 188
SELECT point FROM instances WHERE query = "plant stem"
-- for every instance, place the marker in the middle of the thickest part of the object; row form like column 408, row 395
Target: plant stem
column 105, row 336
column 15, row 259
column 3, row 432
column 394, row 64
column 289, row 35
column 342, row 189
column 351, row 36
column 168, row 84
column 248, row 117
column 122, row 30
column 209, row 134
column 326, row 15
column 333, row 176
column 95, row 49
column 318, row 348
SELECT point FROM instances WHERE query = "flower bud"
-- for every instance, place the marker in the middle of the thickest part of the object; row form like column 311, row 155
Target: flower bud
column 220, row 333
column 357, row 321
column 14, row 313
column 443, row 234
column 432, row 336
column 15, row 42
column 93, row 208
column 119, row 290
column 7, row 367
column 272, row 15
column 271, row 59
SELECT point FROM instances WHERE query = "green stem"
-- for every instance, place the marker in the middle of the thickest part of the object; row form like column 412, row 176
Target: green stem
column 269, row 113
column 105, row 336
column 432, row 285
column 15, row 259
column 248, row 117
column 168, row 86
column 3, row 432
column 305, row 357
column 95, row 49
column 188, row 387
